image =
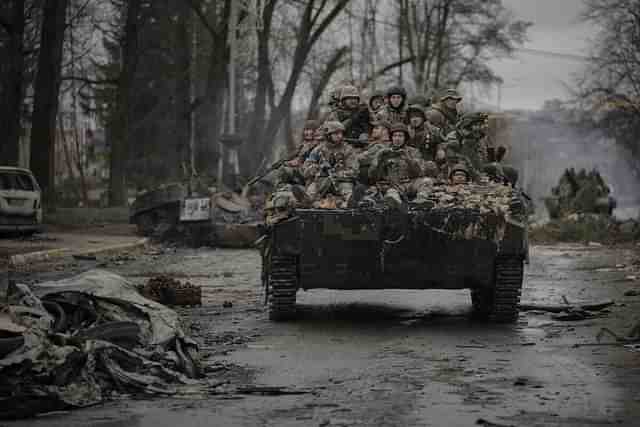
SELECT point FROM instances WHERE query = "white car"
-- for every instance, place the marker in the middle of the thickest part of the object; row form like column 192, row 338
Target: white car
column 20, row 201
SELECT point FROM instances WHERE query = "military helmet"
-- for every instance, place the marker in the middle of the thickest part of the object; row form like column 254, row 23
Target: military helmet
column 459, row 167
column 417, row 108
column 311, row 124
column 450, row 94
column 418, row 100
column 397, row 90
column 349, row 91
column 381, row 122
column 374, row 95
column 333, row 126
column 400, row 127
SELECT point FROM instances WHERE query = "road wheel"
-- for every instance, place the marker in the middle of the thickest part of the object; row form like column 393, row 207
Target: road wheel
column 500, row 302
column 283, row 285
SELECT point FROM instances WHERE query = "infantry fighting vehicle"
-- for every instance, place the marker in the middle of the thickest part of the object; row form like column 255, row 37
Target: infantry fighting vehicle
column 470, row 237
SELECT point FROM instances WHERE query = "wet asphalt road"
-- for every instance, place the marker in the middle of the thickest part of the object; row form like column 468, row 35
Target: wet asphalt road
column 394, row 358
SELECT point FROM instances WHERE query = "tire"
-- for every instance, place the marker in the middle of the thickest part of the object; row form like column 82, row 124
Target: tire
column 499, row 303
column 283, row 285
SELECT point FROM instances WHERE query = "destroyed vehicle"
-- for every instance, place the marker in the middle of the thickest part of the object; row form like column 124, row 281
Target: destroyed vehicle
column 469, row 237
column 223, row 219
column 20, row 201
column 580, row 192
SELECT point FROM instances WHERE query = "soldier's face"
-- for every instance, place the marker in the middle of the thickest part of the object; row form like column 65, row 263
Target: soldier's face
column 376, row 103
column 336, row 137
column 459, row 177
column 396, row 100
column 351, row 103
column 397, row 139
column 376, row 132
column 416, row 120
column 307, row 134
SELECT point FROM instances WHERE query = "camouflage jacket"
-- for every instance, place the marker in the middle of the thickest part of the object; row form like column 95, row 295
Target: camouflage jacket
column 356, row 122
column 395, row 115
column 341, row 161
column 443, row 118
column 426, row 140
column 396, row 165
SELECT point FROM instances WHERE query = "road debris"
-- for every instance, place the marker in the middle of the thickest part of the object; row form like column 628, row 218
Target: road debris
column 598, row 306
column 86, row 338
column 169, row 291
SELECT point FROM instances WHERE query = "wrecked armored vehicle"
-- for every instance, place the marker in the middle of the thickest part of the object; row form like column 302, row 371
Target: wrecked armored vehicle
column 471, row 236
column 580, row 192
column 224, row 219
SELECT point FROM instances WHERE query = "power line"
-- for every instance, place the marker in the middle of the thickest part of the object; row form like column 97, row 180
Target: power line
column 551, row 54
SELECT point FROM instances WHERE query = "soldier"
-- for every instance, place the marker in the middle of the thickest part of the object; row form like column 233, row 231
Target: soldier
column 331, row 168
column 459, row 174
column 353, row 116
column 376, row 106
column 395, row 112
column 397, row 171
column 444, row 114
column 290, row 172
column 420, row 100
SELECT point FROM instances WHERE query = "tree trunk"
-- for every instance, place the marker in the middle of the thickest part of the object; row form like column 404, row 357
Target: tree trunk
column 43, row 132
column 333, row 65
column 183, row 88
column 120, row 141
column 11, row 106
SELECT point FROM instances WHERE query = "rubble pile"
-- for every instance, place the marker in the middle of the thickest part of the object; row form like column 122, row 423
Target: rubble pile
column 83, row 340
column 578, row 193
column 169, row 291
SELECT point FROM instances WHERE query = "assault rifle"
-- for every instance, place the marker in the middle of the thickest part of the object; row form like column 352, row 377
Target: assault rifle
column 271, row 168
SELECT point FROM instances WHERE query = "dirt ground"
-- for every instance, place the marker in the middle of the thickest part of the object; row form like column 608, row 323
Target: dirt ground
column 392, row 358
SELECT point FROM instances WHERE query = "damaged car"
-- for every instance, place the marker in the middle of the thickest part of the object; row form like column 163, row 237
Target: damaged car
column 20, row 201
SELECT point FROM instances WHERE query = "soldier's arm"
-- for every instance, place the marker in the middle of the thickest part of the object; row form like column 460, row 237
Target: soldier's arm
column 414, row 163
column 311, row 166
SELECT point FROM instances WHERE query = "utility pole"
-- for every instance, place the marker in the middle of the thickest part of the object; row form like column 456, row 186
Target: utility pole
column 231, row 128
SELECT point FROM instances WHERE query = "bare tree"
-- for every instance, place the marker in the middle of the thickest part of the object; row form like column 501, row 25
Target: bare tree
column 611, row 82
column 12, row 23
column 46, row 95
column 450, row 41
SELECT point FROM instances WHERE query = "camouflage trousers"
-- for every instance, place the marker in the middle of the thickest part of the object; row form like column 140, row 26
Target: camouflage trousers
column 418, row 190
column 324, row 193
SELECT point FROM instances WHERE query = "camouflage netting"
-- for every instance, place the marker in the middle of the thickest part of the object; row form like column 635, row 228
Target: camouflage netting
column 580, row 193
column 471, row 211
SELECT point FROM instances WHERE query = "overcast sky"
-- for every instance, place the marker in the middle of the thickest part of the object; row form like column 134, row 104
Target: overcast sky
column 531, row 79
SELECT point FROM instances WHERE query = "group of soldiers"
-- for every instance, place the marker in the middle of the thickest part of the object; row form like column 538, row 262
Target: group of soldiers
column 385, row 151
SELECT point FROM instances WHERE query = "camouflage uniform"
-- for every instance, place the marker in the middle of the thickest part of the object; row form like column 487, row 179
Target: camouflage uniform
column 443, row 117
column 331, row 169
column 426, row 138
column 398, row 171
column 290, row 172
column 356, row 120
column 376, row 114
column 396, row 114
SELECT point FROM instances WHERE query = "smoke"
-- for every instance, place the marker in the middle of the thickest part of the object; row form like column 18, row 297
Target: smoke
column 543, row 145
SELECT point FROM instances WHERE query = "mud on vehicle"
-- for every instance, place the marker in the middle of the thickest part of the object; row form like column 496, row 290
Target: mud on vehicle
column 456, row 244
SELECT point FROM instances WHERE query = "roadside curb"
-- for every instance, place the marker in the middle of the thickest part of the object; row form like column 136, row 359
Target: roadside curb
column 40, row 256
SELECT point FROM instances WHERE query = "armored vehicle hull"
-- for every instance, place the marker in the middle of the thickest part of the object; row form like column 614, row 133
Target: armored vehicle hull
column 424, row 248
